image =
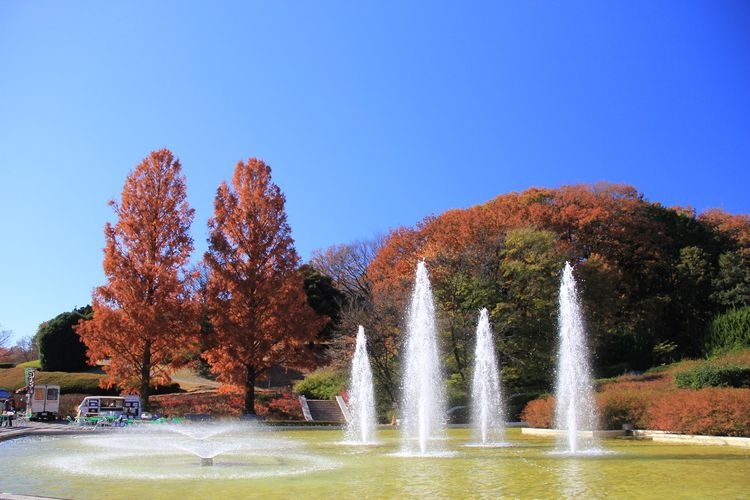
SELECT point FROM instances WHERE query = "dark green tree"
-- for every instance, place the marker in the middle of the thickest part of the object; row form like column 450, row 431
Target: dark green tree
column 324, row 298
column 728, row 331
column 731, row 287
column 526, row 319
column 60, row 347
column 692, row 290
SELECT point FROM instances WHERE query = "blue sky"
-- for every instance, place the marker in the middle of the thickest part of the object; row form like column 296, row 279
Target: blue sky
column 371, row 114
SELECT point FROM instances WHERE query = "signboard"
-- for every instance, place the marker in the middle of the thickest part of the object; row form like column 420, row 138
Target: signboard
column 29, row 376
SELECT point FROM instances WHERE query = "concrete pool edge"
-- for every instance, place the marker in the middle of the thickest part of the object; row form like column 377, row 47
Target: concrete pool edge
column 656, row 436
column 535, row 431
column 668, row 437
column 35, row 431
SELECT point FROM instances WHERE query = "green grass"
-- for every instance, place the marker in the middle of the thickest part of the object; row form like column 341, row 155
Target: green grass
column 34, row 363
column 85, row 383
column 69, row 382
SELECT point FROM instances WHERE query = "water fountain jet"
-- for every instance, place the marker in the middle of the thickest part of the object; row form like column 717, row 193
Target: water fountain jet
column 488, row 416
column 574, row 394
column 361, row 425
column 423, row 399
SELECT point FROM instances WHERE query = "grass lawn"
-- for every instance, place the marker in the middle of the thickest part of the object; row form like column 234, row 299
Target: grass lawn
column 13, row 378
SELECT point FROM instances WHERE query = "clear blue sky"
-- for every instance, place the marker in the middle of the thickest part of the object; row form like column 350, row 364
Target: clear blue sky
column 371, row 114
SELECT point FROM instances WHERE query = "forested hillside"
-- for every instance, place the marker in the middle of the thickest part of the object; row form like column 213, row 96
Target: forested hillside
column 652, row 279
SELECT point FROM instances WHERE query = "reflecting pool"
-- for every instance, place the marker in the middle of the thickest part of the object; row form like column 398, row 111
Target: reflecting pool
column 277, row 463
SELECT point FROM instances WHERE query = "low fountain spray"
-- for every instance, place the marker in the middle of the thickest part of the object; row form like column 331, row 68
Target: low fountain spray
column 487, row 414
column 574, row 407
column 361, row 426
column 423, row 399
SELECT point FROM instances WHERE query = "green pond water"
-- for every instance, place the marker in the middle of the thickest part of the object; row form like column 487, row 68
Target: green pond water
column 277, row 463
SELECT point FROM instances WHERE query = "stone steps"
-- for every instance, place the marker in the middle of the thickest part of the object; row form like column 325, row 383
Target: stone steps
column 325, row 410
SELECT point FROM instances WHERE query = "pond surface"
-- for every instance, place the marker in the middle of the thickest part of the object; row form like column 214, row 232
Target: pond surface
column 277, row 463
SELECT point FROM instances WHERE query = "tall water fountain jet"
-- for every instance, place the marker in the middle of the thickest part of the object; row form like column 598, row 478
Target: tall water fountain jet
column 361, row 426
column 423, row 399
column 574, row 407
column 487, row 413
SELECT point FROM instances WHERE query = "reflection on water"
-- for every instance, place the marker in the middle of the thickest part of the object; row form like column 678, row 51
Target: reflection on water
column 489, row 477
column 456, row 477
column 571, row 481
column 420, row 478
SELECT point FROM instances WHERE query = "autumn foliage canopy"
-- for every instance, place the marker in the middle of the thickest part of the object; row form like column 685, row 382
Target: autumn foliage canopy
column 142, row 317
column 652, row 277
column 255, row 296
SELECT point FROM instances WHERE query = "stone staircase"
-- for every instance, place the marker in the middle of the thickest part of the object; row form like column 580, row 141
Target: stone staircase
column 322, row 410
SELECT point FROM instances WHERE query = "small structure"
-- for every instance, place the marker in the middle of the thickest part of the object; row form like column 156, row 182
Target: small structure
column 44, row 403
column 109, row 408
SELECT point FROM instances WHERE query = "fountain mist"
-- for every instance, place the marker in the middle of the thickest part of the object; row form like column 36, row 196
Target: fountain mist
column 574, row 408
column 423, row 399
column 361, row 427
column 488, row 417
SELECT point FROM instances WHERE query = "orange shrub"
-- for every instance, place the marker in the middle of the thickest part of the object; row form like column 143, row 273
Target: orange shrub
column 626, row 399
column 286, row 407
column 712, row 412
column 650, row 381
column 539, row 412
column 272, row 405
column 652, row 401
column 214, row 403
column 616, row 407
column 623, row 405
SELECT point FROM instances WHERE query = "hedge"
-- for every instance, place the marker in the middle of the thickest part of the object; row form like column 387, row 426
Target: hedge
column 710, row 412
column 539, row 412
column 711, row 375
column 321, row 384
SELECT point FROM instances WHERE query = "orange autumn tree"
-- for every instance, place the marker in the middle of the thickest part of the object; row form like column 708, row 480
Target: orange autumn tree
column 256, row 300
column 142, row 317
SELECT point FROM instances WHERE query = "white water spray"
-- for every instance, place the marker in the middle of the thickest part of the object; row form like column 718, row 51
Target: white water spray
column 575, row 409
column 423, row 399
column 361, row 426
column 487, row 414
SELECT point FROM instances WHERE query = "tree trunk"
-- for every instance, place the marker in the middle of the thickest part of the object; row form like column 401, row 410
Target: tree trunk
column 146, row 376
column 250, row 391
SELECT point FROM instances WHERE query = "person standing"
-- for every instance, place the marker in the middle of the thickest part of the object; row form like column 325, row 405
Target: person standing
column 9, row 411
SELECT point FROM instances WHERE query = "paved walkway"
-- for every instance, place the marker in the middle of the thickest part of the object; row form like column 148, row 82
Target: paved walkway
column 26, row 427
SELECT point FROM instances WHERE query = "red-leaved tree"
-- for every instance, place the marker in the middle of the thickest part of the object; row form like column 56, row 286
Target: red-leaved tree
column 143, row 319
column 255, row 296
